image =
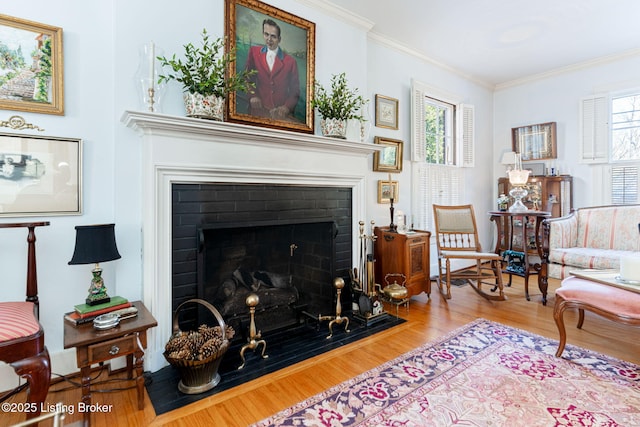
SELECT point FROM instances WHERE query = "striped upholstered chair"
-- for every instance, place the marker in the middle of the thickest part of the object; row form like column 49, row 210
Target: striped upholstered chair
column 21, row 335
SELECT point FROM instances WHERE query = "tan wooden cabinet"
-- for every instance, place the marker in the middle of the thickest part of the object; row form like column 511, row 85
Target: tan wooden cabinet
column 546, row 193
column 406, row 254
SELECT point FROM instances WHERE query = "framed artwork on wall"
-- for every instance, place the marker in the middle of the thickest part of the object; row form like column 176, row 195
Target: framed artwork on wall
column 40, row 175
column 389, row 159
column 386, row 112
column 535, row 142
column 387, row 190
column 31, row 72
column 281, row 47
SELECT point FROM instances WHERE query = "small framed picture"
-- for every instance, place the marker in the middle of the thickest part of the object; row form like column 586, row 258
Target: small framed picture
column 387, row 191
column 389, row 159
column 535, row 142
column 386, row 112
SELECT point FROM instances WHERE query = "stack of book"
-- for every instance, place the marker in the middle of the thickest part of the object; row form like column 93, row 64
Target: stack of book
column 84, row 313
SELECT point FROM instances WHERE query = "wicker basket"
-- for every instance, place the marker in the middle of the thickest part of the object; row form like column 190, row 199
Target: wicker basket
column 198, row 376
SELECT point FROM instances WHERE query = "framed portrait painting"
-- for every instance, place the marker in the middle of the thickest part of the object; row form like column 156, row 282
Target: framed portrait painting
column 535, row 142
column 31, row 72
column 40, row 175
column 280, row 47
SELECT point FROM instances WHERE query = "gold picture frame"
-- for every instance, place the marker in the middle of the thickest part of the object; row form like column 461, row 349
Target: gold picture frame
column 288, row 108
column 387, row 190
column 535, row 142
column 386, row 112
column 40, row 175
column 389, row 159
column 36, row 52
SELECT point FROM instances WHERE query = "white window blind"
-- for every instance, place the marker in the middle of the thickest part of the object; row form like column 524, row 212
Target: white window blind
column 624, row 185
column 434, row 184
column 594, row 116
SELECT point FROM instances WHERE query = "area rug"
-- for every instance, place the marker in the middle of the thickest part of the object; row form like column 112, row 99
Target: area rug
column 482, row 374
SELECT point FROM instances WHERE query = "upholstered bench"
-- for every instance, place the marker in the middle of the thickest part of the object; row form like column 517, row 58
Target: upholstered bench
column 613, row 303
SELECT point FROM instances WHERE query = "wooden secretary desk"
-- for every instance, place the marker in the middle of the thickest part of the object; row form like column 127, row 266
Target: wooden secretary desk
column 406, row 254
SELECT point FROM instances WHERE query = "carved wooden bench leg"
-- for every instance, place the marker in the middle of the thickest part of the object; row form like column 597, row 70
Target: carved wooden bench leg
column 558, row 316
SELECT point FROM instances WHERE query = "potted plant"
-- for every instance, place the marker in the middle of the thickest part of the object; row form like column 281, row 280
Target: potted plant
column 337, row 105
column 203, row 77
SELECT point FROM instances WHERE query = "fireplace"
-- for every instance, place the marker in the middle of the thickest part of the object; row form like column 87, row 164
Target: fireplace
column 179, row 150
column 283, row 243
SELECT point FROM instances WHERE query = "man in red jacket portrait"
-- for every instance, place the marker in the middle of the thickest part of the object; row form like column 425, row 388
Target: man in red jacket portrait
column 277, row 84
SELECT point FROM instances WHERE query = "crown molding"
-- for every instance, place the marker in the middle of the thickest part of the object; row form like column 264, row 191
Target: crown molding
column 339, row 12
column 569, row 68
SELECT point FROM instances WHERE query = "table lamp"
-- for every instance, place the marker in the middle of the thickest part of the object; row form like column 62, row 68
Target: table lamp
column 518, row 179
column 508, row 159
column 95, row 244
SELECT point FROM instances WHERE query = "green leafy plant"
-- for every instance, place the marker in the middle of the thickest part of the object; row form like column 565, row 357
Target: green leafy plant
column 340, row 102
column 204, row 68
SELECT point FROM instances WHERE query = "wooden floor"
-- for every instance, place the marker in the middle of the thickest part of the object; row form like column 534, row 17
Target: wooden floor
column 427, row 319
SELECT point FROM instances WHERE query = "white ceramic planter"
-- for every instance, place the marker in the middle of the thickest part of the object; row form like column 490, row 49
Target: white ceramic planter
column 204, row 107
column 334, row 128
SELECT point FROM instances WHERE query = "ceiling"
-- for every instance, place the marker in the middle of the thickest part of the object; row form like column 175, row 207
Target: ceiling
column 501, row 42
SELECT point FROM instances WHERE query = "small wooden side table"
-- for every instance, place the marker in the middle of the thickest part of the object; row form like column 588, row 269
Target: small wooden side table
column 92, row 346
column 525, row 228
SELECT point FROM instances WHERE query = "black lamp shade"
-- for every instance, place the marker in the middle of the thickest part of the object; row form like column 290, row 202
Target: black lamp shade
column 95, row 244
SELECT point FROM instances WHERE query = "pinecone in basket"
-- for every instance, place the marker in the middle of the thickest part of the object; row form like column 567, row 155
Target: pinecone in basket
column 177, row 342
column 210, row 348
column 197, row 345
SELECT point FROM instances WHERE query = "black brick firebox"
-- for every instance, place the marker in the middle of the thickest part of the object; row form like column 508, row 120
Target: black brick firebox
column 285, row 234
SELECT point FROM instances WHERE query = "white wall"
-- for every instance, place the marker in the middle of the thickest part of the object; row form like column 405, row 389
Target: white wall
column 390, row 72
column 101, row 42
column 556, row 99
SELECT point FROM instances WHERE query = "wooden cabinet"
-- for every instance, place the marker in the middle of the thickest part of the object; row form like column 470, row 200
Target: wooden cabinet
column 546, row 193
column 406, row 254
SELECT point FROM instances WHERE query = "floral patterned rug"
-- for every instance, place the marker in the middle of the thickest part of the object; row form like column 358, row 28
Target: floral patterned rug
column 482, row 374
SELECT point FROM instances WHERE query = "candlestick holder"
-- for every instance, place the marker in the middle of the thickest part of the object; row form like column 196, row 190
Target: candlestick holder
column 392, row 227
column 149, row 91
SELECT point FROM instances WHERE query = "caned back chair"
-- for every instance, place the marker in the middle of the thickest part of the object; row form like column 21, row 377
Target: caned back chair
column 21, row 335
column 457, row 239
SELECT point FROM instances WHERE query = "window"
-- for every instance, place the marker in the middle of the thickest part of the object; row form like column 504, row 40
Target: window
column 625, row 128
column 442, row 143
column 442, row 128
column 624, row 185
column 611, row 135
column 438, row 122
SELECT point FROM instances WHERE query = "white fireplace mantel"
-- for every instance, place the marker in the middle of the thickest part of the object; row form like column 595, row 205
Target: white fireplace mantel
column 187, row 150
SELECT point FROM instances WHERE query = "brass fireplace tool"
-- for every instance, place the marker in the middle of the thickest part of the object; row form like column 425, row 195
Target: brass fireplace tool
column 338, row 283
column 255, row 338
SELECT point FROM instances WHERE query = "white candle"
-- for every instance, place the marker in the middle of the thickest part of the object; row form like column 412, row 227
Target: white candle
column 630, row 267
column 152, row 64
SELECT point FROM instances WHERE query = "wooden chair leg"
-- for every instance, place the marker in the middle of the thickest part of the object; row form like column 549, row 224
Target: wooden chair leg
column 580, row 318
column 558, row 316
column 36, row 370
column 448, row 264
